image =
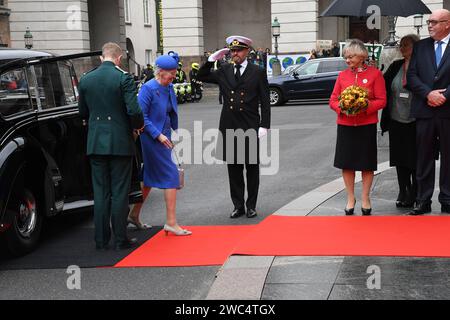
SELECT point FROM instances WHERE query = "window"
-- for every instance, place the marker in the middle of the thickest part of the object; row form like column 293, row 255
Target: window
column 308, row 69
column 127, row 10
column 147, row 12
column 67, row 83
column 148, row 57
column 14, row 98
column 332, row 66
column 45, row 88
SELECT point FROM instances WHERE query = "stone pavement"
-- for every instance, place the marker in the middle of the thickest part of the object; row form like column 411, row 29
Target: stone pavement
column 335, row 278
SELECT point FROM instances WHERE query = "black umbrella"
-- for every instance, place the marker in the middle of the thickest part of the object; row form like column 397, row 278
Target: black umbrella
column 358, row 8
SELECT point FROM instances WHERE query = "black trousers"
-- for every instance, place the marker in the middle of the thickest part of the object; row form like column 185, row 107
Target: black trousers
column 431, row 135
column 237, row 185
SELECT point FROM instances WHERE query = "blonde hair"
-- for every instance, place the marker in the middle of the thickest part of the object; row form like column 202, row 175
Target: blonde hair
column 111, row 50
column 356, row 47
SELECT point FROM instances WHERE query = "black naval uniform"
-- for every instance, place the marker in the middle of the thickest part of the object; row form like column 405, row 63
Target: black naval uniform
column 242, row 99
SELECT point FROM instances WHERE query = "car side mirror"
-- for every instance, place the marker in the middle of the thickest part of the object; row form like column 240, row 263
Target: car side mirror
column 295, row 74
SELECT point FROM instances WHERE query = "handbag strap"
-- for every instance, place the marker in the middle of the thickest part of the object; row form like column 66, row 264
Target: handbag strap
column 174, row 152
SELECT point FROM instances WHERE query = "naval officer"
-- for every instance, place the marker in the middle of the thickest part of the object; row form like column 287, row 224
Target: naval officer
column 246, row 106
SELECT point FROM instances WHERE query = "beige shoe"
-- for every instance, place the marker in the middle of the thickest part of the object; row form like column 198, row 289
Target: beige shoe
column 139, row 225
column 181, row 232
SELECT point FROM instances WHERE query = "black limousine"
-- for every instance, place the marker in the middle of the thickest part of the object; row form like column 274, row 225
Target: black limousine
column 44, row 170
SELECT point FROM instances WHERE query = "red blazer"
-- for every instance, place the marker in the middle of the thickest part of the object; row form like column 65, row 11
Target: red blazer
column 371, row 79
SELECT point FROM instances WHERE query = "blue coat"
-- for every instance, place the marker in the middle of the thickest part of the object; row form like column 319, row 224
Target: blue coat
column 155, row 96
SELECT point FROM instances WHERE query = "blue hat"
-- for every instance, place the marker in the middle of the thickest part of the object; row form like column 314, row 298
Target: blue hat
column 168, row 61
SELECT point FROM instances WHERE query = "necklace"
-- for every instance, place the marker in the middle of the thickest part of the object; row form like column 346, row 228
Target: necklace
column 358, row 70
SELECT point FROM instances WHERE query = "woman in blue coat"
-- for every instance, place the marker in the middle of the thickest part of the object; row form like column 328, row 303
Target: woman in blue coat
column 159, row 106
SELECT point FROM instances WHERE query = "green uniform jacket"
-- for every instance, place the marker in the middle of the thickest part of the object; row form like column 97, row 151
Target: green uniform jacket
column 108, row 100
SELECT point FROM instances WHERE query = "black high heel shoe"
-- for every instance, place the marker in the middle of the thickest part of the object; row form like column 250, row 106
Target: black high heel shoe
column 350, row 212
column 366, row 212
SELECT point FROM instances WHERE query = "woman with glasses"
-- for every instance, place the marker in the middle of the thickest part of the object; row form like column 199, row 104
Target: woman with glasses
column 396, row 118
column 356, row 145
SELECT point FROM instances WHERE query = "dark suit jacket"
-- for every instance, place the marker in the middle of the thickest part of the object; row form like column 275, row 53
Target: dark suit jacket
column 424, row 77
column 389, row 76
column 241, row 100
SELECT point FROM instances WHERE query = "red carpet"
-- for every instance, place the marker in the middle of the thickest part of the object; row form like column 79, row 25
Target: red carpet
column 350, row 236
column 299, row 236
column 207, row 246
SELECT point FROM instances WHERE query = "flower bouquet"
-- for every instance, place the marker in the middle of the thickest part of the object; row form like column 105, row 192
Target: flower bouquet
column 353, row 100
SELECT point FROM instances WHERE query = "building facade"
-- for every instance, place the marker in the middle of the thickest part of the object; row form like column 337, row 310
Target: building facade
column 66, row 27
column 192, row 27
column 140, row 30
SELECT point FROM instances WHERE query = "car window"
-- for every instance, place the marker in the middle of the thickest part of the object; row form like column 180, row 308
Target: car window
column 44, row 83
column 332, row 66
column 308, row 69
column 14, row 97
column 342, row 65
column 67, row 83
column 55, row 84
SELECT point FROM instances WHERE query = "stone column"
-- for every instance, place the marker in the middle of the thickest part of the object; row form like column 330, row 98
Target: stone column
column 4, row 24
column 299, row 24
column 183, row 27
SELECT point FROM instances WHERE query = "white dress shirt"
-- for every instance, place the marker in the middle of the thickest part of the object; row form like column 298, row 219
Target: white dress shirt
column 243, row 67
column 444, row 44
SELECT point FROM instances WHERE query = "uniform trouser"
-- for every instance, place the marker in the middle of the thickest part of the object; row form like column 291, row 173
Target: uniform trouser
column 111, row 180
column 237, row 184
column 432, row 134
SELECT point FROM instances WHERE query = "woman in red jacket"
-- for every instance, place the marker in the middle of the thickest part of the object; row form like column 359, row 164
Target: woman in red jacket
column 356, row 146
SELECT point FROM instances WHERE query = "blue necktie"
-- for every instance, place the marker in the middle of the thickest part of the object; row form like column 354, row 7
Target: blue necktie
column 439, row 53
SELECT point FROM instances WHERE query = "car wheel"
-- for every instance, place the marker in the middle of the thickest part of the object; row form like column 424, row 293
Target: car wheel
column 276, row 98
column 23, row 235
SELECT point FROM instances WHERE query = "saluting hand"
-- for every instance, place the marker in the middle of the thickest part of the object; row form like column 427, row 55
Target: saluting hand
column 165, row 141
column 218, row 55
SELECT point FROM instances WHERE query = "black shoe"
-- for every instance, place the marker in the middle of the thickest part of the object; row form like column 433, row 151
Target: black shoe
column 351, row 211
column 400, row 200
column 237, row 213
column 128, row 244
column 445, row 208
column 421, row 208
column 366, row 212
column 251, row 213
column 405, row 204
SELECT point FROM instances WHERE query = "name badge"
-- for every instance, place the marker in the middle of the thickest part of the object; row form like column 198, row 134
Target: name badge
column 404, row 95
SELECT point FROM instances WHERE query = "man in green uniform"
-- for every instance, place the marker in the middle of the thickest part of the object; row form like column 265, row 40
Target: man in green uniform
column 108, row 102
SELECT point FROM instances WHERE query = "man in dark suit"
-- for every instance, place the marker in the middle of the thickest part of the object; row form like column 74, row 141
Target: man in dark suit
column 108, row 102
column 245, row 89
column 429, row 80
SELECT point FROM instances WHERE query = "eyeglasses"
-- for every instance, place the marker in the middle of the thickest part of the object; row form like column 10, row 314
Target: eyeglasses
column 434, row 22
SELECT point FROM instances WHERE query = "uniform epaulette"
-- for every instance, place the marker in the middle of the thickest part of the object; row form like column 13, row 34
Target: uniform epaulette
column 123, row 71
column 89, row 71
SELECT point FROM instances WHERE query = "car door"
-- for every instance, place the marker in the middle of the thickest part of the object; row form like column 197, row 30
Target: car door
column 301, row 84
